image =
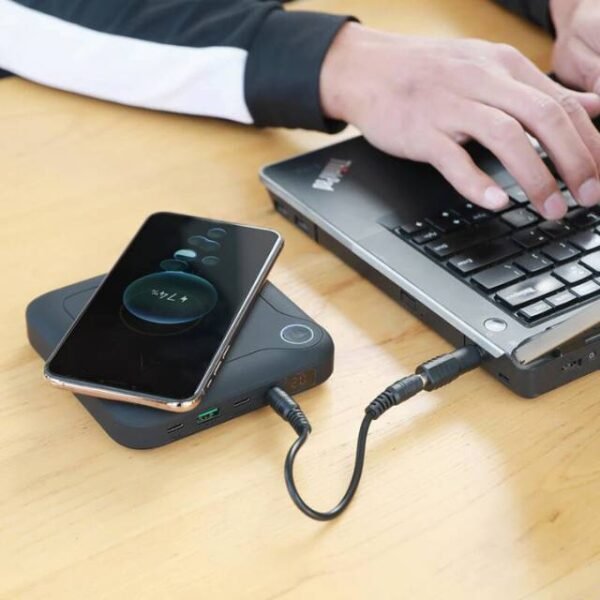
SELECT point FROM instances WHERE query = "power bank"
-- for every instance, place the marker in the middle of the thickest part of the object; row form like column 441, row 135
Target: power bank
column 278, row 344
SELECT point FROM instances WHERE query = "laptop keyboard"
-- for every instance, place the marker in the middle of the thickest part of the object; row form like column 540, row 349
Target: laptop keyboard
column 532, row 268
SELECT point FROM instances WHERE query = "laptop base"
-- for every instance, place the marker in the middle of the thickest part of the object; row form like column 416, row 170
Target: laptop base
column 579, row 357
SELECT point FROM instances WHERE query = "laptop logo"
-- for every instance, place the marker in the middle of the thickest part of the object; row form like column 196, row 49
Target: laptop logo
column 332, row 174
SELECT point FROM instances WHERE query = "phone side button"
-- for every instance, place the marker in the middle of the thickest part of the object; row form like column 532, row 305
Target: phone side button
column 225, row 353
column 210, row 382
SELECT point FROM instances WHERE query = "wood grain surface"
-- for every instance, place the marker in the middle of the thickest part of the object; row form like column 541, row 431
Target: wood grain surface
column 468, row 493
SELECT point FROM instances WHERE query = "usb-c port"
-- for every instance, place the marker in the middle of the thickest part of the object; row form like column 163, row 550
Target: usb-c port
column 175, row 428
column 241, row 401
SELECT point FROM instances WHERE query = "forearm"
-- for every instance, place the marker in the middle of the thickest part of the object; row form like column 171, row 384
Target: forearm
column 244, row 60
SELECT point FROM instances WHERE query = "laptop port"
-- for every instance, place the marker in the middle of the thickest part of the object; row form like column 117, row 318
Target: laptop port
column 305, row 226
column 573, row 364
column 504, row 378
column 283, row 210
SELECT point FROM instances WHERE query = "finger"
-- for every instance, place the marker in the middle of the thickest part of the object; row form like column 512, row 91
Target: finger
column 570, row 100
column 553, row 123
column 458, row 168
column 506, row 138
column 589, row 101
column 578, row 65
column 526, row 71
column 586, row 191
column 575, row 104
column 590, row 193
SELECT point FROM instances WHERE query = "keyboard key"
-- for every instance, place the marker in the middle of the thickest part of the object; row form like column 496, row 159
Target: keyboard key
column 571, row 202
column 533, row 263
column 556, row 229
column 530, row 238
column 517, row 194
column 592, row 261
column 584, row 290
column 561, row 299
column 498, row 276
column 410, row 227
column 527, row 291
column 447, row 221
column 536, row 310
column 473, row 213
column 471, row 236
column 582, row 218
column 483, row 255
column 585, row 240
column 572, row 273
column 520, row 217
column 560, row 251
column 427, row 235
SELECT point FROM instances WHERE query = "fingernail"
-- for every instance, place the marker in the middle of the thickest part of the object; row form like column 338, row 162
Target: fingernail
column 495, row 198
column 589, row 192
column 555, row 207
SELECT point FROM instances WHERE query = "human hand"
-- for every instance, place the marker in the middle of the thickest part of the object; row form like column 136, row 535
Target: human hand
column 421, row 99
column 576, row 55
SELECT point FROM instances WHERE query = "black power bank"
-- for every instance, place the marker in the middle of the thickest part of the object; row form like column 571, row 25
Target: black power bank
column 278, row 345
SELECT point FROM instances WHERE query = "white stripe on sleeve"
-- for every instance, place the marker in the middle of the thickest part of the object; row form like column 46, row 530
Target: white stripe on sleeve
column 201, row 81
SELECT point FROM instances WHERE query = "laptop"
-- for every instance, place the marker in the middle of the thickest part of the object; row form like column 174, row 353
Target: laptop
column 525, row 290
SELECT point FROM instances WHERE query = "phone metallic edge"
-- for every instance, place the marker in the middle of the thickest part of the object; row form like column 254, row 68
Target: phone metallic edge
column 98, row 390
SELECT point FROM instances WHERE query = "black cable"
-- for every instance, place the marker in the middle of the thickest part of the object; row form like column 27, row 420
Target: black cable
column 354, row 481
column 431, row 375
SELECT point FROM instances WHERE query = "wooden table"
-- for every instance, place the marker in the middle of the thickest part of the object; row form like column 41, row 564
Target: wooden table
column 469, row 492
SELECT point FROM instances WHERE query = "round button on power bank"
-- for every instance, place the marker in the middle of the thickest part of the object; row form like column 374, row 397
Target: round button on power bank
column 297, row 334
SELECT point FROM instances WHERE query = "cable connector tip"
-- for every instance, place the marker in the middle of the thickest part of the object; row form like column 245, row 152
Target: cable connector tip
column 444, row 369
column 395, row 394
column 287, row 408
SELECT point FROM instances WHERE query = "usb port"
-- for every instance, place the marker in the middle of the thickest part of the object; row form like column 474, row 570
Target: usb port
column 175, row 428
column 207, row 415
column 307, row 227
column 282, row 209
column 241, row 401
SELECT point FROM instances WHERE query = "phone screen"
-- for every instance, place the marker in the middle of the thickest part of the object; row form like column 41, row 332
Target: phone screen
column 161, row 314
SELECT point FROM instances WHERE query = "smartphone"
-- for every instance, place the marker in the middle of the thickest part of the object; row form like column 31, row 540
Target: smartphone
column 159, row 326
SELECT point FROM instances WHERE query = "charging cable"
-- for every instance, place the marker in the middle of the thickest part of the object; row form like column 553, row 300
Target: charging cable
column 429, row 376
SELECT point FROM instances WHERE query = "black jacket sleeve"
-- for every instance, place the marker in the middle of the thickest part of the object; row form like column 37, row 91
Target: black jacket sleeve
column 245, row 60
column 537, row 11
